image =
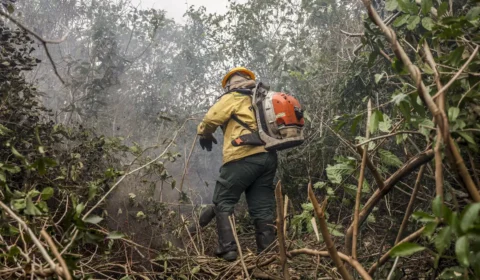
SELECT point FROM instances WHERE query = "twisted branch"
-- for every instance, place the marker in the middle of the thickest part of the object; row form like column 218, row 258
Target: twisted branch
column 41, row 39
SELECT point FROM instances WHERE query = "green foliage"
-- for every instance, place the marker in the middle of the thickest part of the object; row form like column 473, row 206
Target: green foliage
column 405, row 249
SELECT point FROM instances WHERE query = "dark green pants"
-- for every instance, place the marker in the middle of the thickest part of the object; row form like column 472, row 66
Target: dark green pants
column 253, row 175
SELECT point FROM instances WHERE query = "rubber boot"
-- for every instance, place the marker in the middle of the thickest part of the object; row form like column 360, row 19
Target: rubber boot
column 206, row 217
column 264, row 235
column 227, row 248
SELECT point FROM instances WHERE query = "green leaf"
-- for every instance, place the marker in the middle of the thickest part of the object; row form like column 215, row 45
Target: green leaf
column 408, row 7
column 473, row 14
column 195, row 270
column 437, row 206
column 50, row 162
column 425, row 126
column 389, row 158
column 429, row 228
column 401, row 20
column 453, row 113
column 319, row 185
column 115, row 235
column 79, row 209
column 378, row 77
column 391, row 5
column 47, row 193
column 377, row 116
column 427, row 23
column 307, row 206
column 13, row 251
column 386, row 125
column 19, row 204
column 11, row 168
column 31, row 209
column 3, row 176
column 93, row 219
column 461, row 250
column 413, row 22
column 4, row 130
column 423, row 217
column 469, row 216
column 399, row 98
column 406, row 249
column 335, row 172
column 442, row 9
column 467, row 136
column 443, row 238
column 426, row 6
column 39, row 164
column 452, row 273
column 17, row 154
column 455, row 57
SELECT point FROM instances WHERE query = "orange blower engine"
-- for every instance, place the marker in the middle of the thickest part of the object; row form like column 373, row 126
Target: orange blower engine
column 279, row 117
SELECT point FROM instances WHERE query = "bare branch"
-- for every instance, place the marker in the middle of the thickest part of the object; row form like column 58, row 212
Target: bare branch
column 320, row 213
column 409, row 210
column 34, row 238
column 360, row 183
column 354, row 263
column 56, row 254
column 454, row 78
column 231, row 219
column 386, row 136
column 41, row 39
column 352, row 34
column 281, row 237
column 186, row 163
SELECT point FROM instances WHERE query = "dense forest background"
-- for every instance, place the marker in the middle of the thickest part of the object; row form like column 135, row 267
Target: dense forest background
column 100, row 173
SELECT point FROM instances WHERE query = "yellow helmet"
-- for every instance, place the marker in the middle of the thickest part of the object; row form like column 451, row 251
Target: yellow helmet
column 243, row 70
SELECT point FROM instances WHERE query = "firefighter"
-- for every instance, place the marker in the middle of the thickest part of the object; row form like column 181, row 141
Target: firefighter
column 246, row 168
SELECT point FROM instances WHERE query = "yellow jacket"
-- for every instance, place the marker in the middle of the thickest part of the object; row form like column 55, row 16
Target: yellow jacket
column 220, row 115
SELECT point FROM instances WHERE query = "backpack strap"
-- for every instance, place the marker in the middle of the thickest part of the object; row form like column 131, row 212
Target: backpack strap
column 242, row 123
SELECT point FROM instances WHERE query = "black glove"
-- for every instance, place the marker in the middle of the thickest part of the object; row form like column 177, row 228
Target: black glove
column 206, row 142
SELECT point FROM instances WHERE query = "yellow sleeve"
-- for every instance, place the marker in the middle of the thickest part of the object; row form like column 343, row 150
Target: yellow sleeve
column 218, row 114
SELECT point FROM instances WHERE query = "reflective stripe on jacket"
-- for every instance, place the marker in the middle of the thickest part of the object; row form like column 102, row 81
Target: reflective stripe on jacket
column 220, row 115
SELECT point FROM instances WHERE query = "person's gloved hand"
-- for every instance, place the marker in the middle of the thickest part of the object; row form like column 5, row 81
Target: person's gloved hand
column 206, row 142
